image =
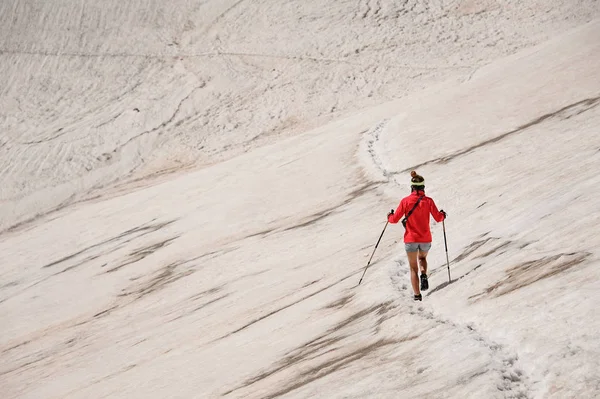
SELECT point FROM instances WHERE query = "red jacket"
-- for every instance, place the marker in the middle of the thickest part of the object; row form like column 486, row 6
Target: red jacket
column 417, row 226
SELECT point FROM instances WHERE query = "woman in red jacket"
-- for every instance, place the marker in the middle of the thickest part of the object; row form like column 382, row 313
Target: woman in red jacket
column 417, row 238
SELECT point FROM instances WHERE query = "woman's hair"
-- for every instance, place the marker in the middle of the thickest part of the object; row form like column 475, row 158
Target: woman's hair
column 417, row 182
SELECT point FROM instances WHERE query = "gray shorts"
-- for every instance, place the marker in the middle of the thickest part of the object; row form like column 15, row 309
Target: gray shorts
column 417, row 246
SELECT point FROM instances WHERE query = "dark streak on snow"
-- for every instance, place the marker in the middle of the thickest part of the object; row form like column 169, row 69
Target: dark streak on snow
column 261, row 233
column 323, row 214
column 491, row 251
column 469, row 250
column 121, row 239
column 165, row 276
column 105, row 312
column 16, row 346
column 332, row 365
column 38, row 356
column 25, row 222
column 441, row 286
column 447, row 283
column 341, row 302
column 144, row 229
column 88, row 259
column 279, row 309
column 310, row 283
column 472, row 248
column 200, row 307
column 314, row 218
column 529, row 272
column 565, row 112
column 142, row 253
column 9, row 284
column 204, row 293
column 326, row 344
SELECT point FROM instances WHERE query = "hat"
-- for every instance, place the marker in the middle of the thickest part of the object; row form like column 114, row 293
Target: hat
column 416, row 180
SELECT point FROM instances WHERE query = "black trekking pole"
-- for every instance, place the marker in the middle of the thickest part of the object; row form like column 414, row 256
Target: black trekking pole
column 386, row 223
column 446, row 245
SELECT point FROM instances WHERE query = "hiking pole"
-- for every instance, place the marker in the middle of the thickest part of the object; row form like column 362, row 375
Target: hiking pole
column 386, row 223
column 446, row 245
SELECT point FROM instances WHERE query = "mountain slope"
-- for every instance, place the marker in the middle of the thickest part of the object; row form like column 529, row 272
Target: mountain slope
column 239, row 279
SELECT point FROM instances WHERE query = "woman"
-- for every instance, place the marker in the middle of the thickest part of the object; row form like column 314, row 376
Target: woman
column 417, row 238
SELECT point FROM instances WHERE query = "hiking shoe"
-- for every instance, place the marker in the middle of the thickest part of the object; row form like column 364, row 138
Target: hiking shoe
column 424, row 282
column 418, row 297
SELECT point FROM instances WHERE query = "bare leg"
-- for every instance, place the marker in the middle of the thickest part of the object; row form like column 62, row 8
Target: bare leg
column 414, row 271
column 423, row 262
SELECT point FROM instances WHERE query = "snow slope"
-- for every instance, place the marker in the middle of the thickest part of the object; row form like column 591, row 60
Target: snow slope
column 239, row 279
column 96, row 95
